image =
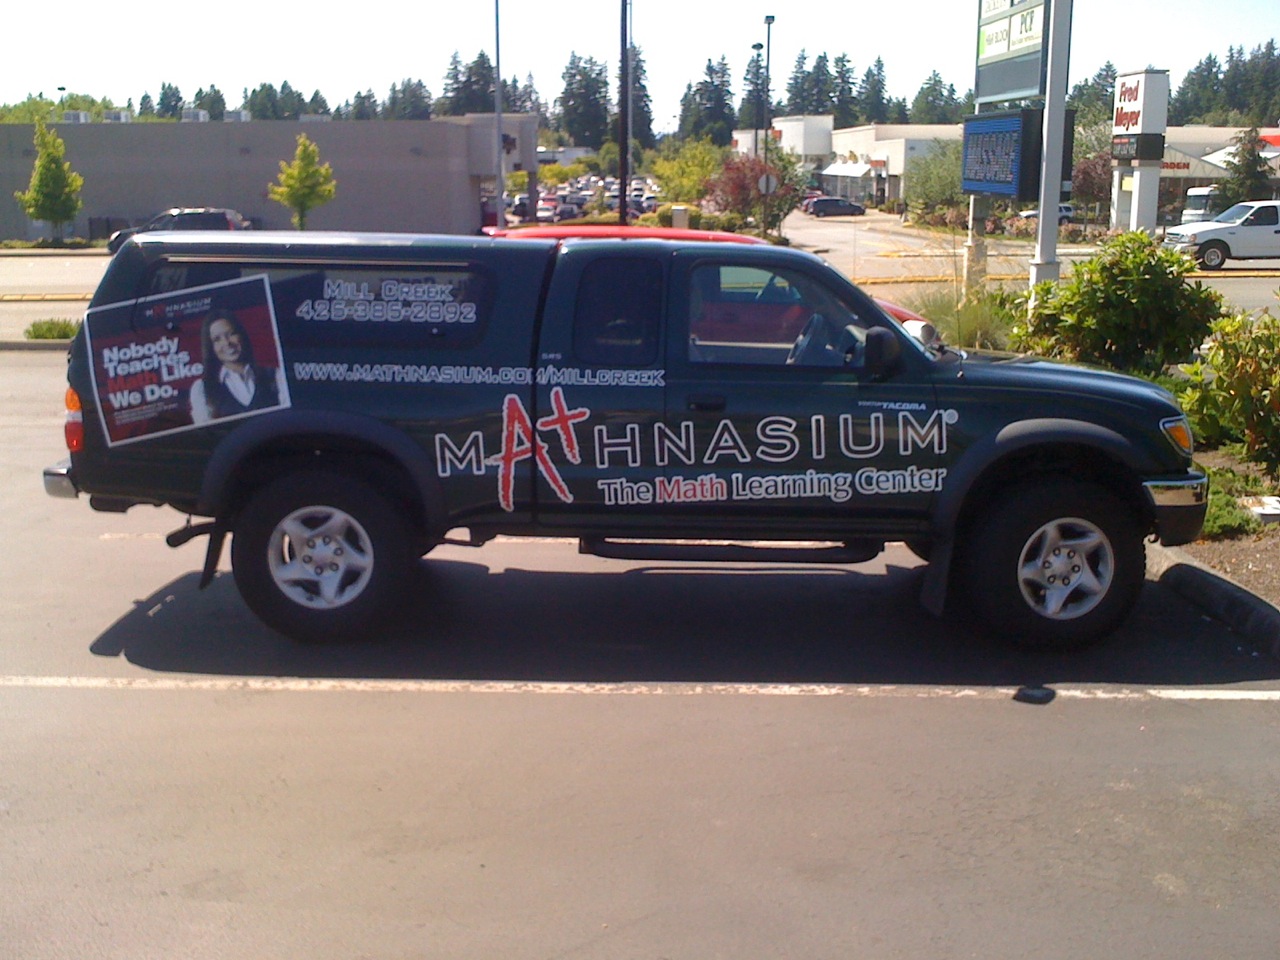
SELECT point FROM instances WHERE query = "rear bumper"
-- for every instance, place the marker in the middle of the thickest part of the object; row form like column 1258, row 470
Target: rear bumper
column 1179, row 505
column 59, row 481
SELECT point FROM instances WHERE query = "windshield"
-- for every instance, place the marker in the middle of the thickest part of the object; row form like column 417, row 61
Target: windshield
column 1234, row 214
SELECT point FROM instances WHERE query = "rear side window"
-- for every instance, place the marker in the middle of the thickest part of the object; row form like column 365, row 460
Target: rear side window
column 617, row 312
column 441, row 306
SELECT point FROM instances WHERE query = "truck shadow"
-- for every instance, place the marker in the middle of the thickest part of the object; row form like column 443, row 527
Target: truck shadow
column 674, row 624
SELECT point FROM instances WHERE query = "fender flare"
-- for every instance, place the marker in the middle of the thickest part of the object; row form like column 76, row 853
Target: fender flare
column 965, row 475
column 258, row 433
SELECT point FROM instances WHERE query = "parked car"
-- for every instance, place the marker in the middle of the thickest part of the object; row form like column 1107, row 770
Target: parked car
column 1247, row 231
column 836, row 207
column 183, row 218
column 1065, row 212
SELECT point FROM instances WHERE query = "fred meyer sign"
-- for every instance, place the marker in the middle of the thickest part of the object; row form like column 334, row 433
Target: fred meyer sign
column 1139, row 116
column 1141, row 103
column 1012, row 40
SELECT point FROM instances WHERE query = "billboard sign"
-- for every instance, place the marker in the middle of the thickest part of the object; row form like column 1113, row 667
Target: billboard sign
column 1013, row 37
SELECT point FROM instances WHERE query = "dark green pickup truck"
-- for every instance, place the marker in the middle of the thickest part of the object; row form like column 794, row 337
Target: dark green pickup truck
column 341, row 404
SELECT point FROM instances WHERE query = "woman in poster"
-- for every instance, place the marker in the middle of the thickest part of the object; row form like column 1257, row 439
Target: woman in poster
column 232, row 383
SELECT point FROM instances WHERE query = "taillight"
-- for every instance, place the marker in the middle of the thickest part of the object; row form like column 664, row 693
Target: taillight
column 73, row 429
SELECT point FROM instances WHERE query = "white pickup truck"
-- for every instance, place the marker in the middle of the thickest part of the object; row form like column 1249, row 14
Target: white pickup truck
column 1246, row 231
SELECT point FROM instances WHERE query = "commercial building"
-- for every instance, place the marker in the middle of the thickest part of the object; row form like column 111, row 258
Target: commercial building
column 420, row 176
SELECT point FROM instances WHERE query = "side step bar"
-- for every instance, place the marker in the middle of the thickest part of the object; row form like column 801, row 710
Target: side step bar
column 854, row 551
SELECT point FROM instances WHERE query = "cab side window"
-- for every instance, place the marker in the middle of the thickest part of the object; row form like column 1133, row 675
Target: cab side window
column 1265, row 217
column 618, row 312
column 761, row 316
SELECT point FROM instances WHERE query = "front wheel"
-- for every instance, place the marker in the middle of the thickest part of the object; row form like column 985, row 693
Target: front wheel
column 320, row 556
column 1057, row 564
column 1212, row 256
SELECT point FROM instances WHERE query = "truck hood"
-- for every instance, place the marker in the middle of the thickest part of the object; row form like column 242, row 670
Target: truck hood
column 995, row 369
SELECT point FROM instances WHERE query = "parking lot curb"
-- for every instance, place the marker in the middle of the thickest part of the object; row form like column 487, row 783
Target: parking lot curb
column 1221, row 597
column 50, row 345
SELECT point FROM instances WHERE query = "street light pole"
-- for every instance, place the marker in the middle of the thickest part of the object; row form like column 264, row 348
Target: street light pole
column 755, row 137
column 768, row 84
column 768, row 113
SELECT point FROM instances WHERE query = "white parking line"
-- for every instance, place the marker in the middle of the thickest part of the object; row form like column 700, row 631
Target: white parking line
column 306, row 685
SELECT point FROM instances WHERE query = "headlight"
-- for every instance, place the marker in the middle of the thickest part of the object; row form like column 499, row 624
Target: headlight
column 1178, row 430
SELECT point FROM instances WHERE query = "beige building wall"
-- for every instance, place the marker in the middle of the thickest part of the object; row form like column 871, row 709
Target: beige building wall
column 419, row 176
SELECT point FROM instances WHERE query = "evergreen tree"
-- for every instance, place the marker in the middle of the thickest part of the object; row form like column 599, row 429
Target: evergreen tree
column 170, row 103
column 871, row 94
column 798, row 85
column 755, row 98
column 411, row 100
column 528, row 100
column 53, row 194
column 364, row 106
column 935, row 102
column 263, row 103
column 706, row 111
column 305, row 183
column 445, row 106
column 211, row 100
column 318, row 105
column 1197, row 95
column 1247, row 171
column 845, row 106
column 146, row 106
column 641, row 102
column 584, row 102
column 1093, row 99
column 292, row 105
column 820, row 88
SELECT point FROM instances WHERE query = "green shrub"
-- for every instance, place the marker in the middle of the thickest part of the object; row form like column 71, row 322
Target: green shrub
column 52, row 329
column 1130, row 306
column 1226, row 519
column 1238, row 397
column 982, row 319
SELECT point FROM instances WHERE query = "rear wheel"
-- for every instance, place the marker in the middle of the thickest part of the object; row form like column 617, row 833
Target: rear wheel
column 320, row 556
column 1057, row 564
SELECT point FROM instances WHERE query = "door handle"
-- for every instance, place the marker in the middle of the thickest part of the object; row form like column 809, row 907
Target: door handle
column 707, row 404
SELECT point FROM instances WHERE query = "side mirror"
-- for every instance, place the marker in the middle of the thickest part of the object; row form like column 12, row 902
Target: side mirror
column 883, row 351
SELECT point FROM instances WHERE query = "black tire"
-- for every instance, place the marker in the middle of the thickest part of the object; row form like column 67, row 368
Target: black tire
column 1212, row 255
column 1053, row 565
column 341, row 583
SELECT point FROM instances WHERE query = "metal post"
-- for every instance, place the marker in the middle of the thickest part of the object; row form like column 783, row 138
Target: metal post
column 499, row 185
column 1045, row 266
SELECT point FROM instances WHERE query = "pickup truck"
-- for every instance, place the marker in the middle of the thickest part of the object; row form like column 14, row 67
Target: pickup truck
column 341, row 404
column 1246, row 231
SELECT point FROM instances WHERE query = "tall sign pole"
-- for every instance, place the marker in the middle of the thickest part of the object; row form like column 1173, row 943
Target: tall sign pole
column 624, row 125
column 499, row 186
column 1045, row 266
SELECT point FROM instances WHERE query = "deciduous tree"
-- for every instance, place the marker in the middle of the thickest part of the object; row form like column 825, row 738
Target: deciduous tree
column 305, row 183
column 54, row 192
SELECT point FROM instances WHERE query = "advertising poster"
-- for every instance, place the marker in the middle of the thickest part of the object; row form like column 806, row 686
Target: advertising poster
column 185, row 359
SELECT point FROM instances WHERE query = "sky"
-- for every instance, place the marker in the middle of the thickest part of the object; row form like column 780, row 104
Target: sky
column 99, row 50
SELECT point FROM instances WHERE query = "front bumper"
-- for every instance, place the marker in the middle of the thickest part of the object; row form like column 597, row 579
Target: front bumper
column 59, row 481
column 1179, row 505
